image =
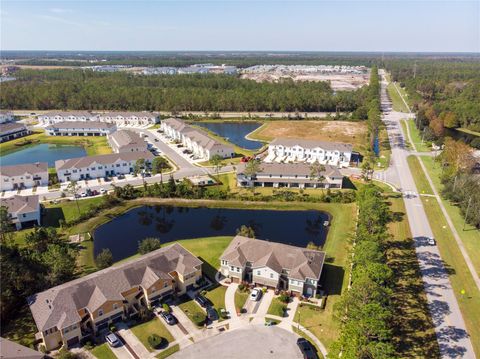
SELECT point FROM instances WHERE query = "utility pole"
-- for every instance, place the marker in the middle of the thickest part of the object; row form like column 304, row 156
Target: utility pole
column 466, row 213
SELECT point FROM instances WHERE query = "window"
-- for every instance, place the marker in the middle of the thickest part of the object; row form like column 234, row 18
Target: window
column 232, row 268
column 259, row 272
column 165, row 285
column 271, row 275
column 74, row 171
column 100, row 312
column 115, row 306
column 238, row 269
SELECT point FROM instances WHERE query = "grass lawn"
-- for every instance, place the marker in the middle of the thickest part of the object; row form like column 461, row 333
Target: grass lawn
column 217, row 297
column 423, row 187
column 338, row 131
column 67, row 210
column 103, row 352
column 383, row 159
column 408, row 145
column 169, row 351
column 421, row 146
column 154, row 326
column 190, row 308
column 277, row 307
column 241, row 298
column 397, row 102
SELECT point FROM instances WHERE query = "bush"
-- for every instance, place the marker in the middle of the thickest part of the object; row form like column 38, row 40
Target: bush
column 241, row 287
column 284, row 298
column 199, row 319
column 112, row 328
column 223, row 313
column 104, row 259
column 156, row 341
column 148, row 245
column 166, row 307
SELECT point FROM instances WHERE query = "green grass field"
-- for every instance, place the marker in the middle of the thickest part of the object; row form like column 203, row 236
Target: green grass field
column 103, row 351
column 421, row 146
column 154, row 326
column 241, row 298
column 397, row 103
column 217, row 297
column 276, row 307
column 190, row 308
column 423, row 187
column 167, row 352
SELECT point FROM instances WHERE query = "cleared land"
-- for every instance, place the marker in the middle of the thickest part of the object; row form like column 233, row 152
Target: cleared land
column 337, row 131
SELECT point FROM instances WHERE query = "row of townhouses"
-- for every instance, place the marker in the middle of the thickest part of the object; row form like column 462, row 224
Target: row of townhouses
column 90, row 167
column 6, row 116
column 23, row 211
column 290, row 175
column 22, row 176
column 299, row 150
column 80, row 128
column 119, row 118
column 126, row 141
column 199, row 142
column 12, row 130
column 68, row 313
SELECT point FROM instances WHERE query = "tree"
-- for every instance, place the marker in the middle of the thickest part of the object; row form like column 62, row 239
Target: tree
column 246, row 231
column 73, row 188
column 316, row 172
column 251, row 170
column 41, row 237
column 216, row 161
column 139, row 166
column 104, row 259
column 158, row 165
column 148, row 245
column 60, row 261
column 6, row 225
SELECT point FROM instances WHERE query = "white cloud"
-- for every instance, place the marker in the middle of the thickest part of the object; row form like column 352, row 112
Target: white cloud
column 57, row 10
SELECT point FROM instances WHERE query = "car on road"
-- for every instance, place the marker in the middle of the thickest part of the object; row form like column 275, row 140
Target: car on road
column 255, row 294
column 112, row 339
column 307, row 349
column 200, row 299
column 212, row 313
column 169, row 318
column 431, row 241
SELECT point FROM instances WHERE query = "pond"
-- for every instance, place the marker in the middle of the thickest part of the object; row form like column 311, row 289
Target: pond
column 235, row 132
column 168, row 223
column 42, row 153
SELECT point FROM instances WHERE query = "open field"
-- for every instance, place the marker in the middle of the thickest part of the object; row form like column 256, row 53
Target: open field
column 338, row 131
column 93, row 145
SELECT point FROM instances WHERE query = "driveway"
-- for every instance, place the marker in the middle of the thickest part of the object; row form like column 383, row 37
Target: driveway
column 253, row 341
column 132, row 341
column 178, row 331
column 262, row 309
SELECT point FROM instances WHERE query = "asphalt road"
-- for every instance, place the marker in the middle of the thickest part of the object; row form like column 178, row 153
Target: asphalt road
column 452, row 336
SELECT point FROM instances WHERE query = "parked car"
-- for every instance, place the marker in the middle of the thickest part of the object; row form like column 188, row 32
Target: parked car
column 306, row 348
column 156, row 140
column 112, row 339
column 204, row 302
column 95, row 193
column 121, row 176
column 255, row 294
column 147, row 174
column 431, row 241
column 83, row 194
column 103, row 190
column 212, row 314
column 169, row 318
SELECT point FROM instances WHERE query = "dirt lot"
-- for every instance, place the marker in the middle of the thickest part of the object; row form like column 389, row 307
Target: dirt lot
column 336, row 131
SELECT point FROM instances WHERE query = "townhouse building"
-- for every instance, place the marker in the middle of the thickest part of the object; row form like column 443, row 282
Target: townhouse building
column 12, row 350
column 53, row 117
column 81, row 128
column 300, row 150
column 129, row 118
column 6, row 116
column 273, row 265
column 23, row 211
column 90, row 167
column 68, row 313
column 127, row 141
column 289, row 175
column 12, row 130
column 202, row 145
column 23, row 176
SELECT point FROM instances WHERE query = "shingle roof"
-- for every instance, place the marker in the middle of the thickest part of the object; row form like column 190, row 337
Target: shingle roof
column 20, row 204
column 331, row 146
column 22, row 169
column 127, row 138
column 82, row 124
column 290, row 169
column 301, row 262
column 58, row 306
column 87, row 161
column 12, row 350
column 128, row 114
column 11, row 126
column 68, row 113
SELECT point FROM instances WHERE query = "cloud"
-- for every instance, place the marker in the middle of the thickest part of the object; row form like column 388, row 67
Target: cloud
column 60, row 20
column 57, row 10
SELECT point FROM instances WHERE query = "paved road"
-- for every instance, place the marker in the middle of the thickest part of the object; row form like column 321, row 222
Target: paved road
column 450, row 327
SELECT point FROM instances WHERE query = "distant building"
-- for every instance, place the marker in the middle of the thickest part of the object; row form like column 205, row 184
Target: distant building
column 90, row 167
column 289, row 175
column 129, row 118
column 12, row 130
column 12, row 350
column 23, row 210
column 54, row 117
column 127, row 141
column 23, row 176
column 300, row 150
column 6, row 116
column 81, row 128
column 197, row 141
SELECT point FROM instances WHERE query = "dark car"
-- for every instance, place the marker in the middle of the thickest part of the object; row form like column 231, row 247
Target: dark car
column 169, row 318
column 307, row 349
column 204, row 302
column 212, row 314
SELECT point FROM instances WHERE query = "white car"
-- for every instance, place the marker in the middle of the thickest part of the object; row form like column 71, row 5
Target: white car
column 103, row 190
column 431, row 242
column 255, row 294
column 112, row 339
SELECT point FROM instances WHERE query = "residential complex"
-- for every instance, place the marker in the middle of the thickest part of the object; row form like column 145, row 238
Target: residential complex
column 54, row 117
column 273, row 265
column 23, row 176
column 6, row 116
column 80, row 128
column 66, row 314
column 197, row 141
column 127, row 141
column 12, row 130
column 85, row 168
column 119, row 118
column 300, row 150
column 291, row 175
column 12, row 350
column 23, row 210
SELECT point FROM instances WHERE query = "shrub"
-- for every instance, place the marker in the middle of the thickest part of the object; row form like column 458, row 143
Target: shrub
column 284, row 298
column 241, row 287
column 104, row 259
column 166, row 307
column 148, row 245
column 155, row 341
column 223, row 313
column 112, row 327
column 199, row 319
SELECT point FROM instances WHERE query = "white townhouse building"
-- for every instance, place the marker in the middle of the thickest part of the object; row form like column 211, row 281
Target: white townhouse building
column 299, row 150
column 54, row 117
column 22, row 176
column 90, row 167
column 6, row 116
column 81, row 128
column 273, row 265
column 23, row 210
column 12, row 130
column 129, row 118
column 290, row 175
column 199, row 142
column 127, row 141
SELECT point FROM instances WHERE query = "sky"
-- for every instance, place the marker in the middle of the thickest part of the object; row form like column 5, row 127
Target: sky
column 269, row 25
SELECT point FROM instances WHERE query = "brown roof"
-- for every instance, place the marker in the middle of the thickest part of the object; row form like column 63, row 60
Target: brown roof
column 12, row 350
column 87, row 161
column 331, row 146
column 58, row 306
column 81, row 124
column 11, row 126
column 290, row 169
column 301, row 262
column 127, row 138
column 69, row 113
column 24, row 169
column 20, row 204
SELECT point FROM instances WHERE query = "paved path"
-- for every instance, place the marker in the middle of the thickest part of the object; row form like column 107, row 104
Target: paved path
column 132, row 341
column 453, row 339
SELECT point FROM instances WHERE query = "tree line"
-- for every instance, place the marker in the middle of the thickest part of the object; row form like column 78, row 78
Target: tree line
column 88, row 90
column 365, row 311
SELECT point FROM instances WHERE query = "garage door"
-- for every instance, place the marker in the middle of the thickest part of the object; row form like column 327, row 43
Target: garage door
column 73, row 341
column 102, row 326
